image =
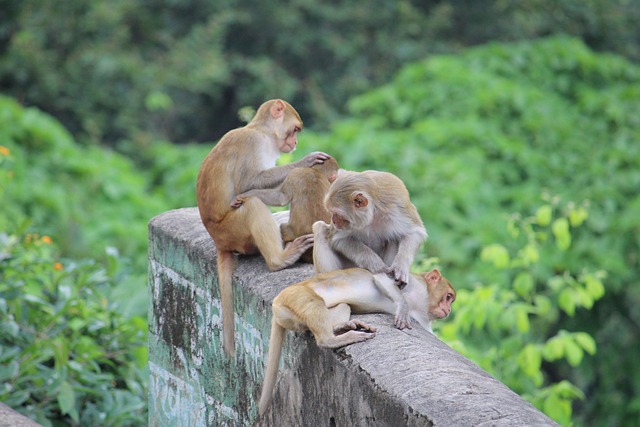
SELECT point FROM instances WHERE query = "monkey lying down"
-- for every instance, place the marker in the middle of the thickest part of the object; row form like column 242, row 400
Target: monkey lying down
column 323, row 305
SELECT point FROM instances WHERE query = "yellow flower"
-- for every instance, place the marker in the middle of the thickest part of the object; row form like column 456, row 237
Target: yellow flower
column 57, row 266
column 46, row 239
column 4, row 150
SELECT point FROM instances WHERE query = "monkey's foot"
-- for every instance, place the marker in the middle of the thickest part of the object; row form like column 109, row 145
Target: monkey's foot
column 402, row 323
column 353, row 325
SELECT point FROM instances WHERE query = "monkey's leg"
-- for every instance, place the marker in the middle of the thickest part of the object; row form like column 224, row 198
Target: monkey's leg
column 289, row 236
column 266, row 235
column 287, row 233
column 339, row 330
column 324, row 258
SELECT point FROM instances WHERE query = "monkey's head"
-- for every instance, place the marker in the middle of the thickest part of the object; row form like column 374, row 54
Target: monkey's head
column 349, row 202
column 329, row 169
column 441, row 294
column 281, row 119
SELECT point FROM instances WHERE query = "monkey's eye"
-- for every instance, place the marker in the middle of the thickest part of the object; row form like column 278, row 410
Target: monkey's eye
column 297, row 129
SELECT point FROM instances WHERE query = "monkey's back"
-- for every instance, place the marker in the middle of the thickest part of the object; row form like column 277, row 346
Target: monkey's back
column 309, row 188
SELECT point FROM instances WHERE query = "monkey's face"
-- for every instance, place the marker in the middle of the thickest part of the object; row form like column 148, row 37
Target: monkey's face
column 290, row 141
column 441, row 298
column 441, row 295
column 349, row 212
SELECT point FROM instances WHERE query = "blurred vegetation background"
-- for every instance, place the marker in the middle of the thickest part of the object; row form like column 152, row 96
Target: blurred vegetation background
column 514, row 124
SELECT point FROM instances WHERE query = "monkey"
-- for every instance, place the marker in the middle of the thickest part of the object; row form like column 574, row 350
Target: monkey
column 323, row 305
column 374, row 225
column 245, row 159
column 304, row 190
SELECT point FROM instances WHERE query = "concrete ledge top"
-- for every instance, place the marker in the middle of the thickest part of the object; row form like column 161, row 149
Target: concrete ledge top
column 11, row 418
column 413, row 367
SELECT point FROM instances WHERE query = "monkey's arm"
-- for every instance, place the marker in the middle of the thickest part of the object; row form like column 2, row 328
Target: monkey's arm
column 270, row 197
column 389, row 289
column 407, row 249
column 273, row 177
column 360, row 254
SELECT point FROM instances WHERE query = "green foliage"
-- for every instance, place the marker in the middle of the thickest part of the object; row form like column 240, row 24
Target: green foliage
column 89, row 198
column 508, row 326
column 68, row 356
column 142, row 70
column 497, row 129
column 494, row 130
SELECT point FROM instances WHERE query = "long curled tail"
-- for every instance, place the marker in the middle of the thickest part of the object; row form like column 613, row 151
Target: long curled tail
column 225, row 277
column 276, row 340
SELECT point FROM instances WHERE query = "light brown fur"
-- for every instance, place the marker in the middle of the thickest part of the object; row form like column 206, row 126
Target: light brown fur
column 245, row 159
column 304, row 191
column 323, row 305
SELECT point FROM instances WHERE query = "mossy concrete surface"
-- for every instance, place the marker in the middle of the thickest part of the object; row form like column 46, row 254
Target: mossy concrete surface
column 398, row 378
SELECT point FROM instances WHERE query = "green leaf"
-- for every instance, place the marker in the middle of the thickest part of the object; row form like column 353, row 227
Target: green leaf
column 523, row 284
column 578, row 216
column 66, row 398
column 560, row 229
column 543, row 215
column 558, row 408
column 497, row 254
column 530, row 360
column 594, row 286
column 586, row 341
column 573, row 352
column 542, row 304
column 530, row 254
column 553, row 349
column 522, row 319
column 567, row 302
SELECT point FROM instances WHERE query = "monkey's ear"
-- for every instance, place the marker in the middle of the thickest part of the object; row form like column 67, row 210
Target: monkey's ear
column 433, row 277
column 277, row 109
column 360, row 201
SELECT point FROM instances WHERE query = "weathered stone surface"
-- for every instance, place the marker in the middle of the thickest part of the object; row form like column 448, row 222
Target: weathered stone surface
column 11, row 418
column 398, row 378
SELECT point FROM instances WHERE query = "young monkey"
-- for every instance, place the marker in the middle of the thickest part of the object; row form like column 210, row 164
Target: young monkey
column 245, row 159
column 304, row 190
column 374, row 225
column 323, row 305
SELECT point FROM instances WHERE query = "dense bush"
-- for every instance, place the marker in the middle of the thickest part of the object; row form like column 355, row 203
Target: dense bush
column 68, row 356
column 508, row 324
column 502, row 129
column 91, row 198
column 139, row 70
column 476, row 137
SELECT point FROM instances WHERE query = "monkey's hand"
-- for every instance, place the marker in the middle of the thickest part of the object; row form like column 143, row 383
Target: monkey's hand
column 400, row 274
column 314, row 158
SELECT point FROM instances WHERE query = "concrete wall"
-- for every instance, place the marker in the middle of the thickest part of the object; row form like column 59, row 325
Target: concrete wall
column 11, row 418
column 398, row 378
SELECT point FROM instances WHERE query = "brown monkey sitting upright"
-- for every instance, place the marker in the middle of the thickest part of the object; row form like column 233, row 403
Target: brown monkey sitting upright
column 323, row 305
column 304, row 190
column 245, row 159
column 374, row 225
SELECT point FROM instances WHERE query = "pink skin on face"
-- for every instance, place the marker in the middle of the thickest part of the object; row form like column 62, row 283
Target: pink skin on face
column 290, row 142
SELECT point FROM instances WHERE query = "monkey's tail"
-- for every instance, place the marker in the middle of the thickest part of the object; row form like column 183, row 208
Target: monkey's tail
column 225, row 278
column 273, row 362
